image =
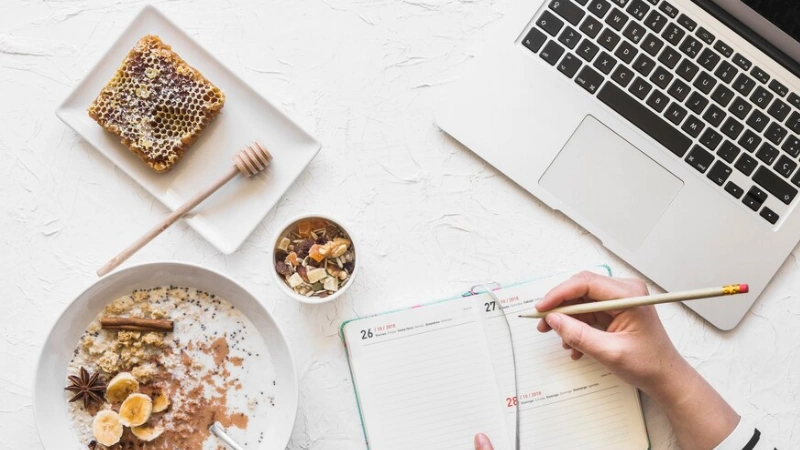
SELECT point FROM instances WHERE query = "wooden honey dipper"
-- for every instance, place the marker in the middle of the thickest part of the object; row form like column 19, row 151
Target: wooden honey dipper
column 251, row 160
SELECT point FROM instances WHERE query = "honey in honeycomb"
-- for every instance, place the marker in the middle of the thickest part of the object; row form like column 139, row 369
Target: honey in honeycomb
column 156, row 103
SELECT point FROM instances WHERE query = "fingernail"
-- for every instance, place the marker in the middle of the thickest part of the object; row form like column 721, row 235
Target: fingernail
column 481, row 440
column 553, row 320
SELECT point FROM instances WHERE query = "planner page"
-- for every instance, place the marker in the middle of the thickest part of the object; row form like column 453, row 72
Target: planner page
column 424, row 378
column 563, row 404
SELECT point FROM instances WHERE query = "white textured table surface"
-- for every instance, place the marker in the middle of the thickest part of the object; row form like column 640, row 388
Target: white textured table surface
column 432, row 218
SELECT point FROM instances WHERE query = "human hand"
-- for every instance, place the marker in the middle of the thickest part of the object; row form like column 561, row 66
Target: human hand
column 632, row 343
column 482, row 442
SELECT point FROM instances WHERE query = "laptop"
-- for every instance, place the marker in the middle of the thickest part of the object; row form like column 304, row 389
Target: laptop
column 668, row 129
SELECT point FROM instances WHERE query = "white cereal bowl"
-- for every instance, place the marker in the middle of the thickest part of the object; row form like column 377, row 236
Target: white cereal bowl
column 50, row 406
column 281, row 283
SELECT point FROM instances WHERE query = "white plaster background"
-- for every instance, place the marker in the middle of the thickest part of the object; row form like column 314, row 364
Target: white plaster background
column 432, row 217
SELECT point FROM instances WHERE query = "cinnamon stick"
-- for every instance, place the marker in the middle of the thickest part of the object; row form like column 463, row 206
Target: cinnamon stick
column 136, row 324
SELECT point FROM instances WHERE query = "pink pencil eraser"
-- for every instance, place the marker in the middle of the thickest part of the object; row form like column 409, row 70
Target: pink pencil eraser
column 744, row 289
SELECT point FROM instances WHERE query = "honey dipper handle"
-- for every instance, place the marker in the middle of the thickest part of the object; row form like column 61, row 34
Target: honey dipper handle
column 166, row 223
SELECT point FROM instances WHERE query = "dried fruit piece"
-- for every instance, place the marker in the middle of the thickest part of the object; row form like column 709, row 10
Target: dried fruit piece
column 318, row 252
column 316, row 275
column 284, row 244
column 295, row 280
column 331, row 284
column 304, row 229
column 303, row 272
column 292, row 259
column 282, row 268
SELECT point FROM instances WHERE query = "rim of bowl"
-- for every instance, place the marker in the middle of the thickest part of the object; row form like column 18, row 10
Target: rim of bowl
column 165, row 263
column 282, row 283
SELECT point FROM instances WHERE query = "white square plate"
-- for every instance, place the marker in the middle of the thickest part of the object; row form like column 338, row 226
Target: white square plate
column 226, row 218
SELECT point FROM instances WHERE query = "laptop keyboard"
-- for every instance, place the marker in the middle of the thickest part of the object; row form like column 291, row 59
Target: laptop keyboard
column 693, row 93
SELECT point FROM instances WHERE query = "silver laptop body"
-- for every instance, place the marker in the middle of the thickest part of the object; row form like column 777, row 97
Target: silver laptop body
column 665, row 192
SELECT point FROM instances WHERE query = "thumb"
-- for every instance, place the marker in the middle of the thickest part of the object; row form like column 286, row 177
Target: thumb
column 482, row 442
column 580, row 336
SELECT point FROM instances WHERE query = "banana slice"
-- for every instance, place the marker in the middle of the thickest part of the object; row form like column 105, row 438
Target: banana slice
column 107, row 427
column 121, row 386
column 160, row 401
column 147, row 432
column 135, row 410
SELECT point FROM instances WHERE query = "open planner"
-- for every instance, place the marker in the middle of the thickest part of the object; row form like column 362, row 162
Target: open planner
column 433, row 376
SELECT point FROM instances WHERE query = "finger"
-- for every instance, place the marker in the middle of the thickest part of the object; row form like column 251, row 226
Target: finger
column 482, row 442
column 582, row 337
column 591, row 286
column 564, row 345
column 576, row 355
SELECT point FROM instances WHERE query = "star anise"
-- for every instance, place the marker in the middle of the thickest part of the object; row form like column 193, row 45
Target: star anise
column 86, row 387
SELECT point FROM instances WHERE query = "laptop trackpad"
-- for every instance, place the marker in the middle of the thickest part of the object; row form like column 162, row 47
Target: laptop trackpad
column 610, row 184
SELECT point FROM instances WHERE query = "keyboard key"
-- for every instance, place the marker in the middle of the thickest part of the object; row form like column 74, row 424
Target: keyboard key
column 728, row 152
column 620, row 3
column 644, row 65
column 608, row 39
column 582, row 2
column 785, row 166
column 568, row 10
column 700, row 159
column 668, row 9
column 675, row 114
column 726, row 72
column 638, row 9
column 792, row 146
column 758, row 120
column 759, row 74
column 669, row 57
column 696, row 103
column 569, row 65
column 679, row 90
column 767, row 154
column 646, row 120
column 746, row 164
column 742, row 62
column 687, row 70
column 719, row 173
column 775, row 185
column 569, row 37
column 714, row 115
column 796, row 179
column 722, row 95
column 759, row 195
column 587, row 50
column 794, row 122
column 744, row 84
column 655, row 22
column 640, row 88
column 778, row 88
column 751, row 203
column 551, row 53
column 749, row 141
column 794, row 99
column 733, row 189
column 591, row 27
column 775, row 133
column 686, row 22
column 732, row 128
column 705, row 35
column 769, row 215
column 653, row 2
column 673, row 34
column 705, row 82
column 708, row 59
column 740, row 107
column 634, row 32
column 589, row 79
column 693, row 126
column 779, row 110
column 599, row 8
column 652, row 44
column 626, row 52
column 534, row 40
column 690, row 47
column 617, row 19
column 550, row 23
column 761, row 97
column 605, row 63
column 623, row 76
column 661, row 77
column 710, row 139
column 658, row 101
column 723, row 48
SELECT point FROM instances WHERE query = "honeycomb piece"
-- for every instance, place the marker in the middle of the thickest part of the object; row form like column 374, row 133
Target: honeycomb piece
column 156, row 103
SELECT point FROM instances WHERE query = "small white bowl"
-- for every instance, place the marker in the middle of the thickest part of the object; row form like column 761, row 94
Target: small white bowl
column 281, row 283
column 49, row 404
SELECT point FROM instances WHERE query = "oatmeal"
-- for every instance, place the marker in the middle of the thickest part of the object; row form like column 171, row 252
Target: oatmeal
column 134, row 384
column 315, row 257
